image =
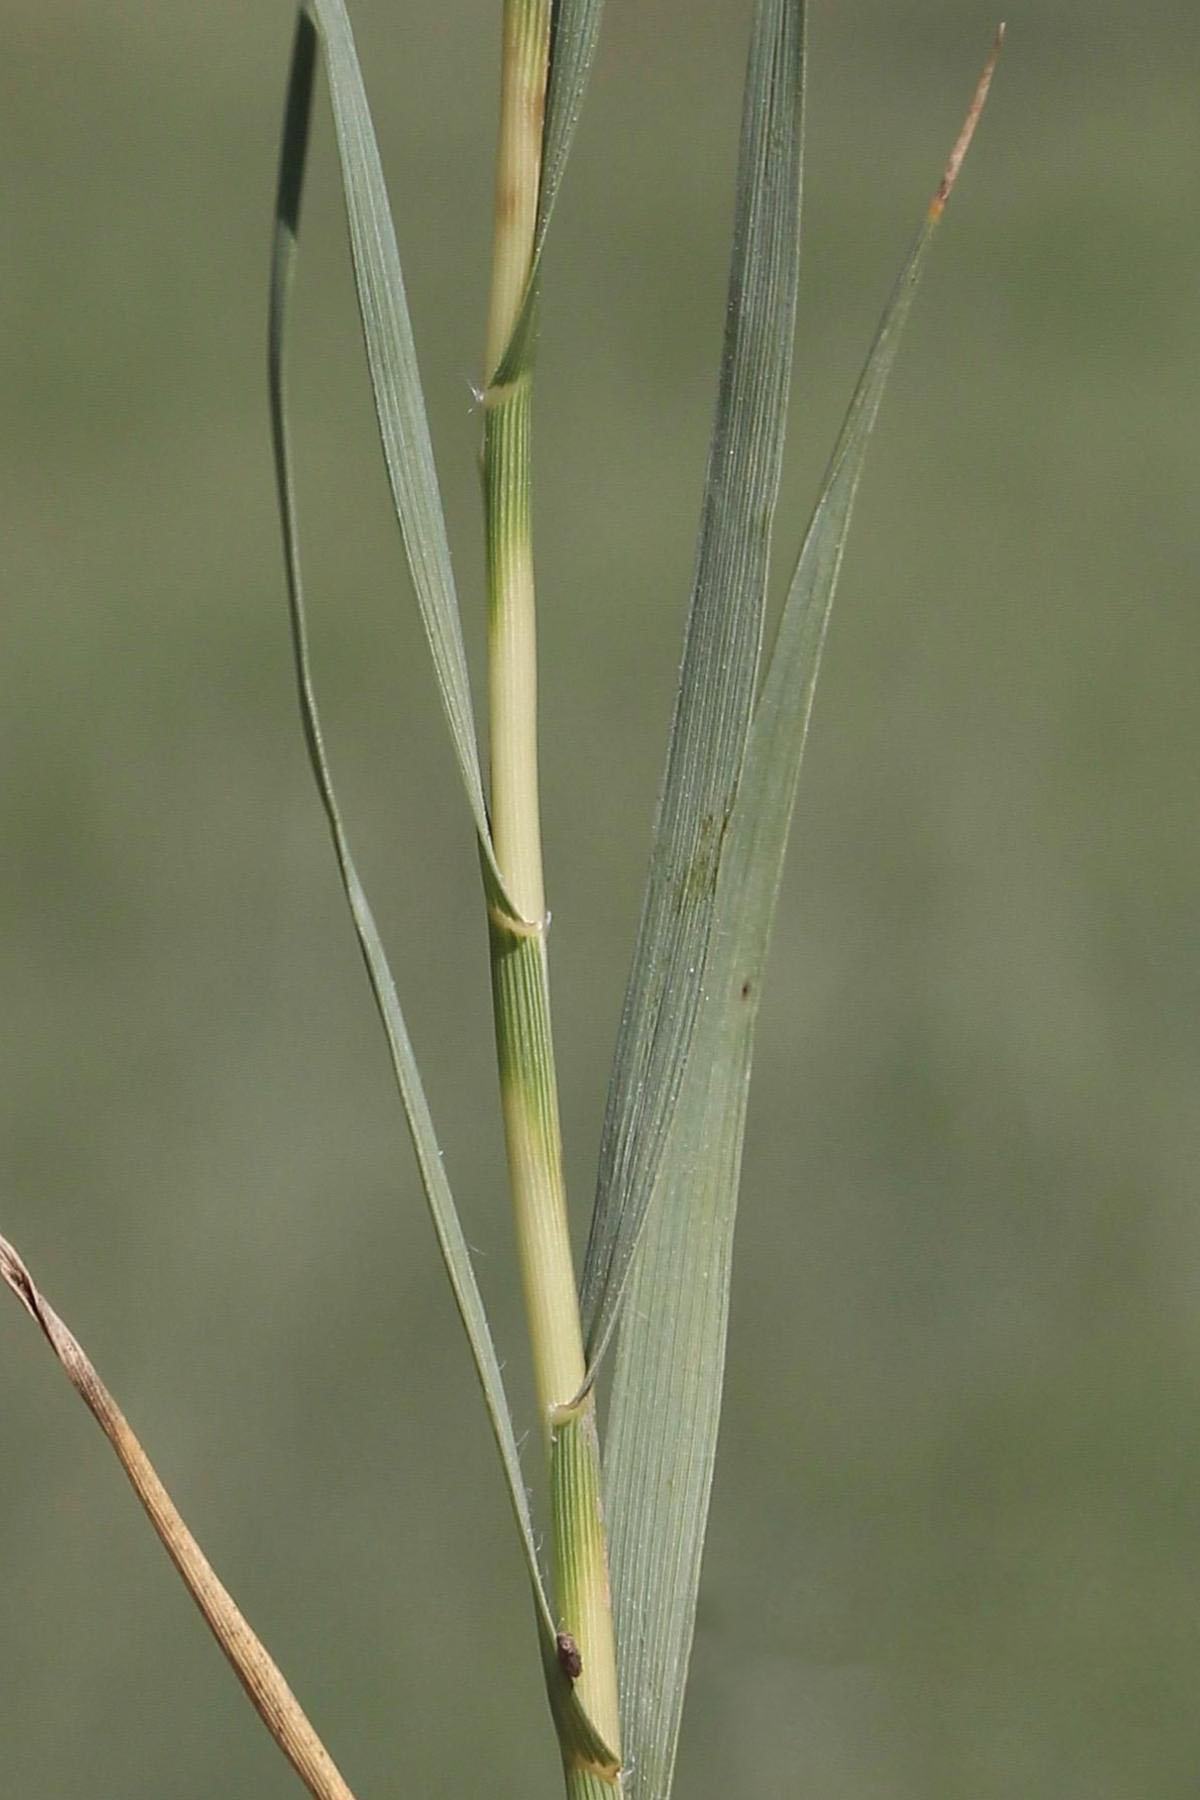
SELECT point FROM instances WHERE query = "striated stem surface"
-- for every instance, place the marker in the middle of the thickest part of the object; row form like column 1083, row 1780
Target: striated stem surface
column 520, row 977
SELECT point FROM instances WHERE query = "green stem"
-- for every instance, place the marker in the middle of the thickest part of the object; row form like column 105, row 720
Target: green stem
column 520, row 977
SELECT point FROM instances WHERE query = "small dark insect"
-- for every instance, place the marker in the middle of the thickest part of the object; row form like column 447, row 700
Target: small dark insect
column 745, row 990
column 569, row 1659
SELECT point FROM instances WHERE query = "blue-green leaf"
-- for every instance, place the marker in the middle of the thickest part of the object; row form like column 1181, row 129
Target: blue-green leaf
column 575, row 1728
column 399, row 402
column 671, row 1347
column 574, row 30
column 720, row 661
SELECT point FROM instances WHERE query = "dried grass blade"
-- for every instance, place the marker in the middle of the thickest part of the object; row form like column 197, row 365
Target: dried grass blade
column 273, row 1699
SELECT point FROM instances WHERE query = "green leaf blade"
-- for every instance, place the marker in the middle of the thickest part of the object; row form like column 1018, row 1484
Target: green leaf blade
column 399, row 401
column 666, row 1399
column 575, row 1728
column 574, row 31
column 720, row 662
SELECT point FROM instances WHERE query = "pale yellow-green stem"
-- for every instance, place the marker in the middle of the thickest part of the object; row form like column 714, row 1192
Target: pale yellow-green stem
column 520, row 983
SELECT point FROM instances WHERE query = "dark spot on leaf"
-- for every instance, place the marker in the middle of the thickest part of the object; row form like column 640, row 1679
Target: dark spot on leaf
column 569, row 1659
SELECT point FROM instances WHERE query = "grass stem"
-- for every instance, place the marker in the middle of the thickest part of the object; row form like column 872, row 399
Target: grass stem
column 520, row 975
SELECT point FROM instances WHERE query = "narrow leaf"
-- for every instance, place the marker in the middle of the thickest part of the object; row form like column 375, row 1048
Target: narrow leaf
column 455, row 1252
column 720, row 661
column 395, row 385
column 251, row 1662
column 574, row 29
column 667, row 1388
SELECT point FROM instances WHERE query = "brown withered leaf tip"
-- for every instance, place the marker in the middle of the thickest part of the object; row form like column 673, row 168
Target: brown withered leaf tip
column 963, row 143
column 569, row 1659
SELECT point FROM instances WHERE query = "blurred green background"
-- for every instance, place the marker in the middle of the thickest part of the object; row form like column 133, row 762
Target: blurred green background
column 955, row 1544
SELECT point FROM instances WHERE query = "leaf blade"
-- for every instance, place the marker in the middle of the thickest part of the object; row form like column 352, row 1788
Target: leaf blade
column 575, row 1728
column 247, row 1655
column 666, row 1398
column 715, row 696
column 399, row 403
column 574, row 31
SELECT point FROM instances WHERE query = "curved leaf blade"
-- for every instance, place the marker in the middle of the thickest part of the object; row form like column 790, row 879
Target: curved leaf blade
column 576, row 1730
column 715, row 696
column 399, row 401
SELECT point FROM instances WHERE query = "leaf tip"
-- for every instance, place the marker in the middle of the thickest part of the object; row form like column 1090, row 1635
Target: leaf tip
column 963, row 142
